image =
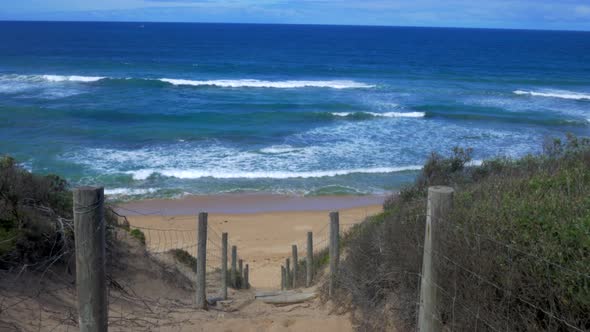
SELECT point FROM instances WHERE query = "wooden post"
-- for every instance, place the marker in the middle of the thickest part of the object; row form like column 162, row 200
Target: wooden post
column 241, row 267
column 287, row 274
column 202, row 262
column 295, row 265
column 234, row 265
column 241, row 272
column 309, row 260
column 334, row 249
column 89, row 233
column 247, row 277
column 440, row 203
column 283, row 278
column 224, row 265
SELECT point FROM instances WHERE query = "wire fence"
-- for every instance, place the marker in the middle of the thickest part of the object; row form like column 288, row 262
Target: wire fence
column 320, row 242
column 463, row 286
column 321, row 238
column 466, row 286
column 481, row 282
column 141, row 293
column 169, row 240
column 136, row 300
column 483, row 279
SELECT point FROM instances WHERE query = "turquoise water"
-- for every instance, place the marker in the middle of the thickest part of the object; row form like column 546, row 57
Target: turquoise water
column 158, row 110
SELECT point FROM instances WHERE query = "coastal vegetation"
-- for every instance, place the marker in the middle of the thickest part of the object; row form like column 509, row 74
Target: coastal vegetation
column 36, row 219
column 513, row 255
column 138, row 234
column 35, row 216
column 183, row 257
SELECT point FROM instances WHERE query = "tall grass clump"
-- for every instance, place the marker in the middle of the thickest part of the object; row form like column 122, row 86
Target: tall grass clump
column 514, row 255
column 32, row 213
column 183, row 257
column 138, row 234
column 36, row 218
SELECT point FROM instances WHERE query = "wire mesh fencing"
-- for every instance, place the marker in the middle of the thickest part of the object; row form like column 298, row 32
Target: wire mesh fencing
column 182, row 243
column 320, row 255
column 486, row 284
column 480, row 279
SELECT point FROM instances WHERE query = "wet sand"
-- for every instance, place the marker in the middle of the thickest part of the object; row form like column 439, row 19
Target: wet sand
column 248, row 203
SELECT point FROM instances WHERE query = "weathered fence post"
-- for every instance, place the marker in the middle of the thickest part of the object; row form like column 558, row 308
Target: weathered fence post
column 234, row 265
column 283, row 278
column 202, row 262
column 241, row 267
column 309, row 260
column 440, row 203
column 89, row 233
column 334, row 249
column 224, row 265
column 295, row 265
column 287, row 274
column 247, row 277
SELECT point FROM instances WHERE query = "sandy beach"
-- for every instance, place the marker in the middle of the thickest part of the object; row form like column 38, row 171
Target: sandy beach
column 263, row 227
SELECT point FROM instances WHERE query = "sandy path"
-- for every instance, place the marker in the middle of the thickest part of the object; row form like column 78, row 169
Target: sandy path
column 264, row 231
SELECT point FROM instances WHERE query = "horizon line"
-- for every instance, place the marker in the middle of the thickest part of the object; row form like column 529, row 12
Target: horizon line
column 297, row 24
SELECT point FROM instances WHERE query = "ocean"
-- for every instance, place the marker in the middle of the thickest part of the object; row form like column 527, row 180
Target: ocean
column 162, row 110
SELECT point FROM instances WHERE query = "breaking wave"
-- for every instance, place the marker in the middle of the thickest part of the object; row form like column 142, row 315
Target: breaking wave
column 251, row 83
column 197, row 174
column 563, row 94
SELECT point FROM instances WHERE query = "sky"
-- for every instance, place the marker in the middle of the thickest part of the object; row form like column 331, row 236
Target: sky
column 520, row 14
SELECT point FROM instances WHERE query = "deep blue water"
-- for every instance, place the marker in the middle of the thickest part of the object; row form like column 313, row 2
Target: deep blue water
column 163, row 109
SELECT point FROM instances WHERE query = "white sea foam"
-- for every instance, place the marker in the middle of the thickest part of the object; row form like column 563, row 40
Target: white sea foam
column 35, row 86
column 13, row 87
column 49, row 78
column 15, row 83
column 72, row 78
column 229, row 83
column 28, row 166
column 476, row 162
column 385, row 114
column 251, row 83
column 346, row 147
column 197, row 174
column 129, row 191
column 278, row 149
column 563, row 94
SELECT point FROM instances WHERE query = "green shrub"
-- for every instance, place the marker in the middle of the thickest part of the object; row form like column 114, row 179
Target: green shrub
column 35, row 212
column 36, row 217
column 183, row 257
column 138, row 234
column 514, row 254
column 439, row 170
